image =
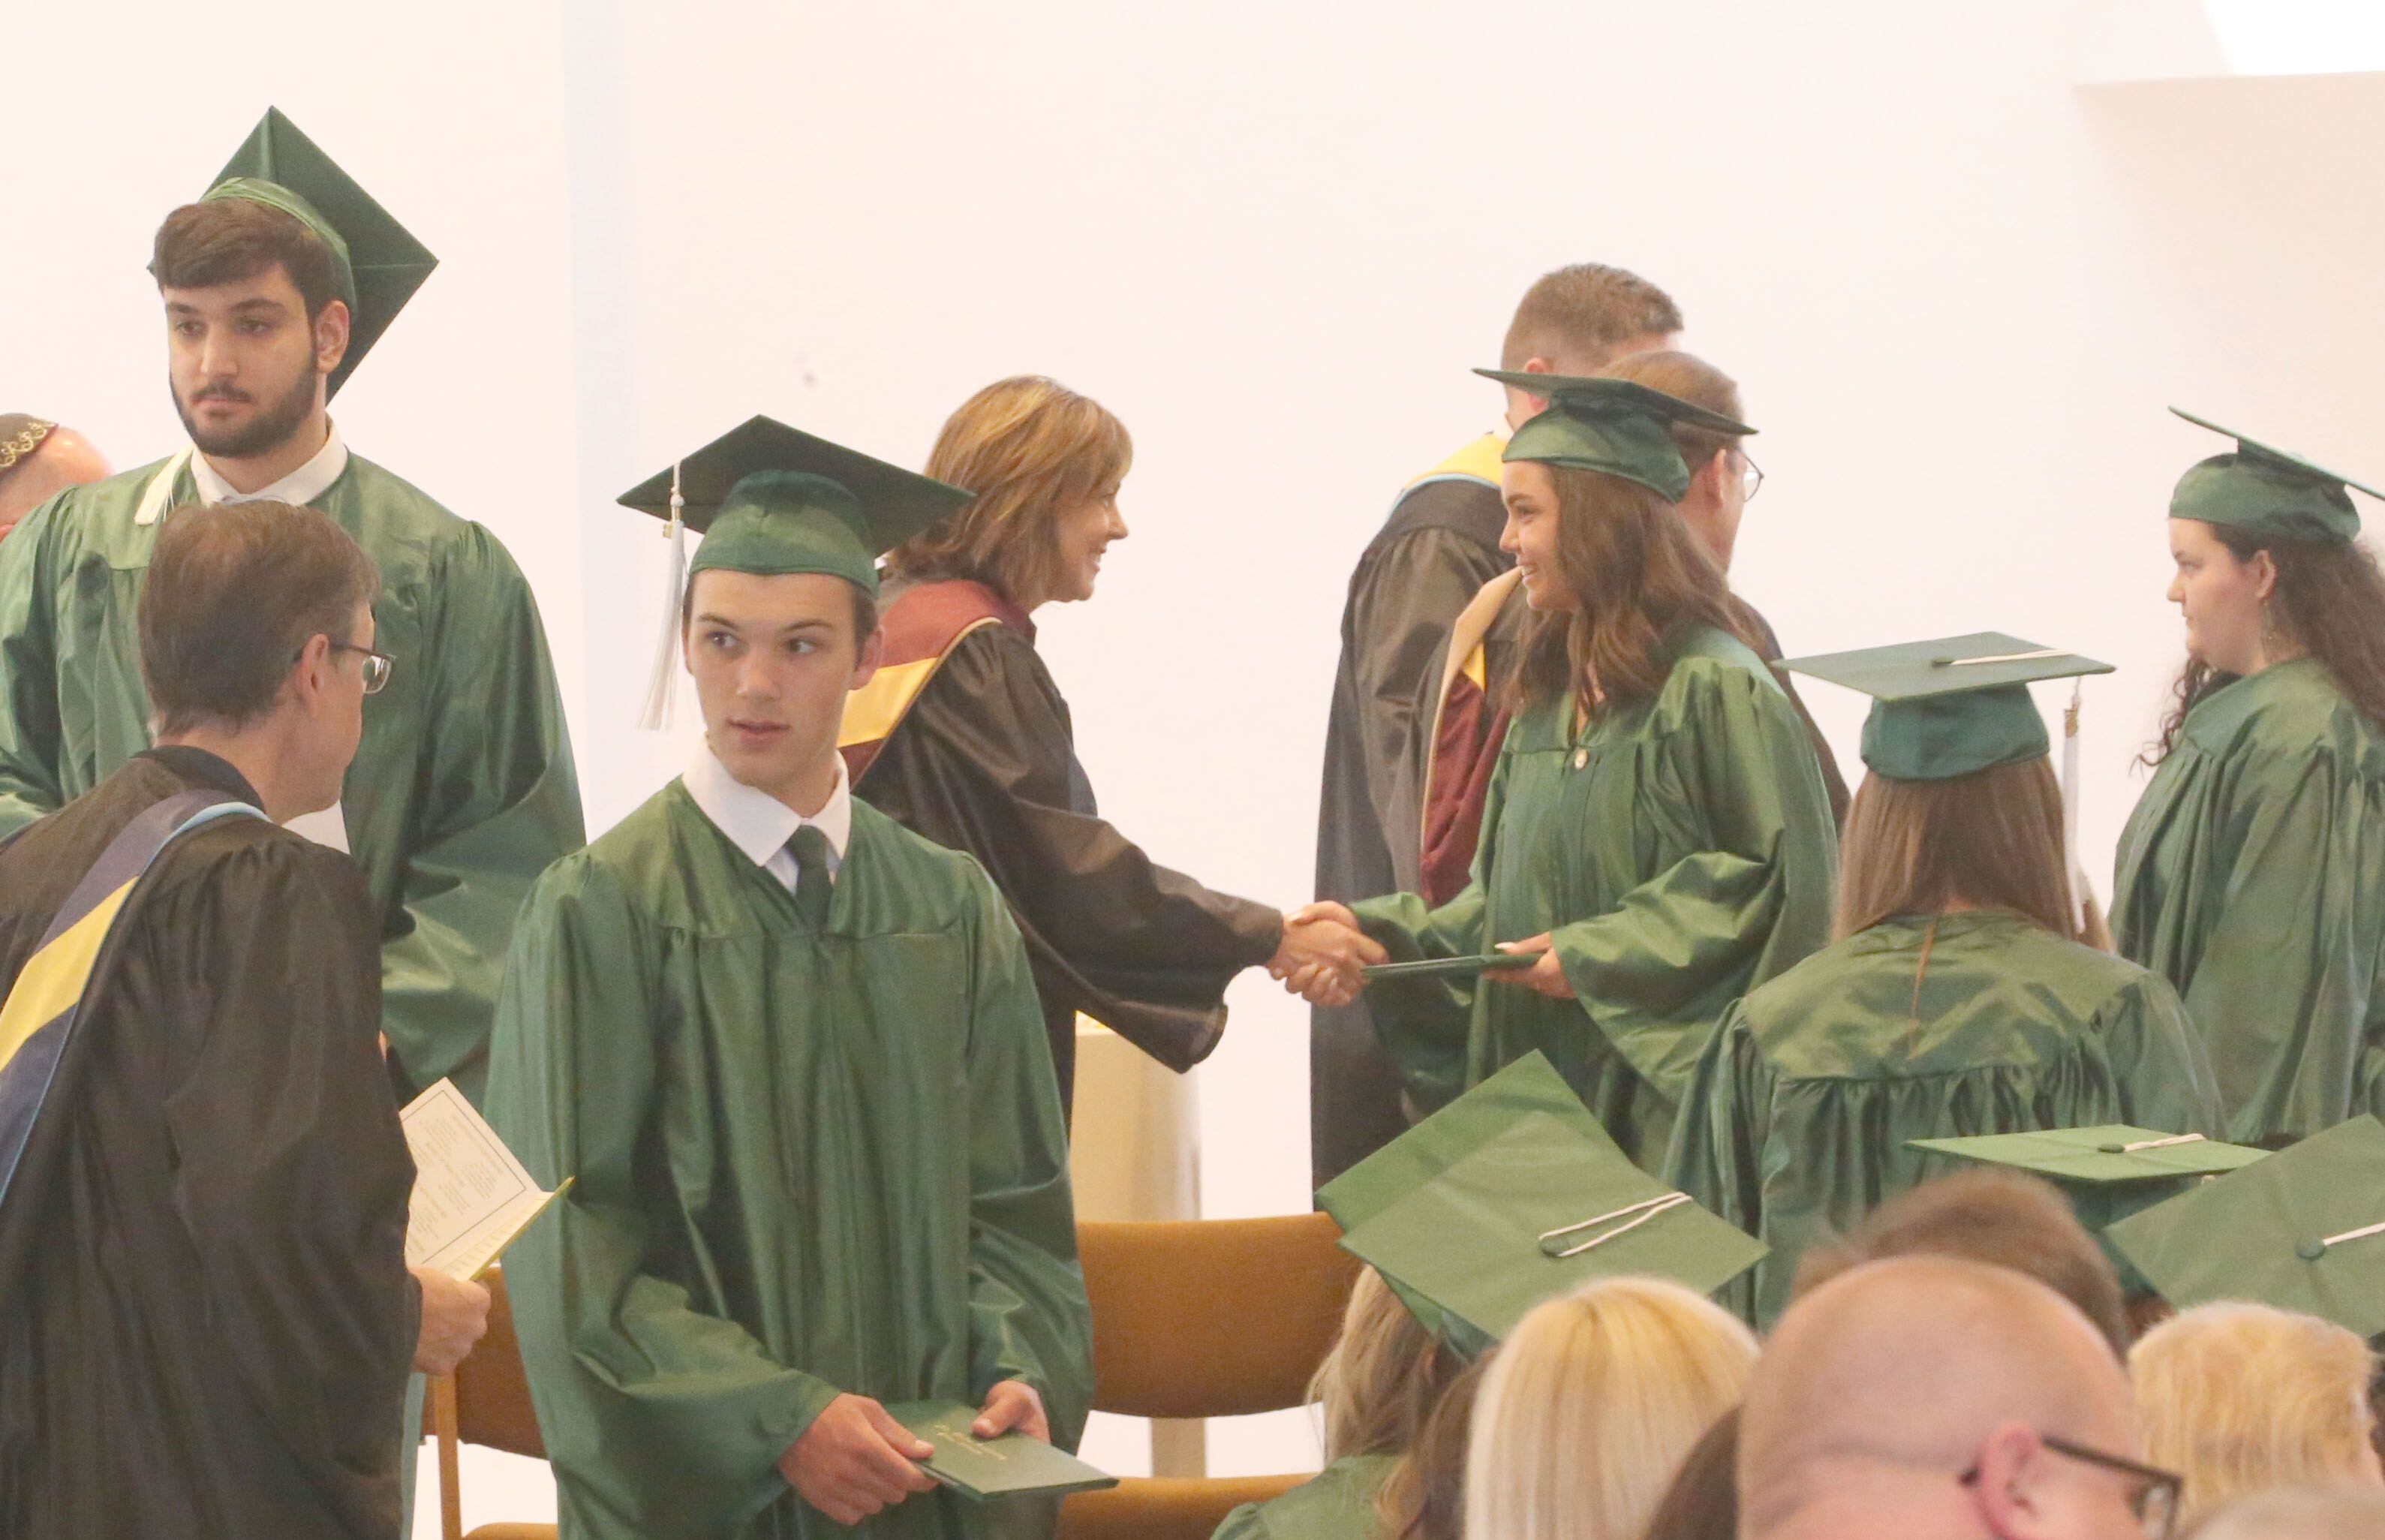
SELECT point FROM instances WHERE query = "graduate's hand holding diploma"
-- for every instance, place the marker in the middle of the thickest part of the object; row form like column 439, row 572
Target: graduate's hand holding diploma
column 1013, row 1407
column 1322, row 953
column 856, row 1461
column 1546, row 976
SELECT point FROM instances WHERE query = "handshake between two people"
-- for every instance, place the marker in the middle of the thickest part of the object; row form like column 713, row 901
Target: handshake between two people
column 1323, row 951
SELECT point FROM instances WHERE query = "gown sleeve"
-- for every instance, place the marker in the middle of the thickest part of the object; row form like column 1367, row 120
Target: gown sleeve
column 294, row 1177
column 1718, row 1142
column 1737, row 784
column 1401, row 612
column 2161, row 1067
column 1028, row 1318
column 1423, row 1023
column 501, row 803
column 984, row 763
column 29, row 685
column 667, row 1419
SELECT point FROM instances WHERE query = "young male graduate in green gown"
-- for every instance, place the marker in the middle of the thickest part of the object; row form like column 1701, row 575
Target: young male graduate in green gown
column 792, row 1056
column 1656, row 833
column 274, row 287
column 1958, row 1001
column 2252, row 874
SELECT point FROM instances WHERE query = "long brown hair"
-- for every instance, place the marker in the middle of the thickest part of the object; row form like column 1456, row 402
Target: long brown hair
column 1638, row 577
column 1028, row 448
column 1991, row 839
column 1424, row 1496
column 2329, row 601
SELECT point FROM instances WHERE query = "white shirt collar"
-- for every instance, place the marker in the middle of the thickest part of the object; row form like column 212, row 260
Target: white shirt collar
column 758, row 823
column 301, row 486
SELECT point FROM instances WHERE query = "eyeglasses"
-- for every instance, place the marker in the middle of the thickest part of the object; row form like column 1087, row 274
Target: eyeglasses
column 2152, row 1493
column 378, row 666
column 1751, row 478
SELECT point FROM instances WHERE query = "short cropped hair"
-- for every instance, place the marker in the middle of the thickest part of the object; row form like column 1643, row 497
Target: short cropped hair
column 2003, row 1219
column 233, row 594
column 229, row 240
column 1583, row 313
column 2239, row 1398
column 1026, row 447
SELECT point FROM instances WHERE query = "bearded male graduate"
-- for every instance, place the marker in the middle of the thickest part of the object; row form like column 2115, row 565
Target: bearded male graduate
column 274, row 286
column 792, row 1056
column 205, row 1317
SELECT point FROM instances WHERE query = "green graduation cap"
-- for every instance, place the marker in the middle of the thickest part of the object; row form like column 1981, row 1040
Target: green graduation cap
column 2108, row 1171
column 1509, row 1197
column 1619, row 427
column 2303, row 1230
column 379, row 265
column 1952, row 707
column 2268, row 491
column 775, row 500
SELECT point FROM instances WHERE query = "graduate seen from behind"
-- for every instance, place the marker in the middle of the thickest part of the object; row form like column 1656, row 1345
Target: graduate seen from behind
column 203, row 1185
column 793, row 1055
column 272, row 287
column 963, row 738
column 1655, row 839
column 1958, row 1000
column 2252, row 873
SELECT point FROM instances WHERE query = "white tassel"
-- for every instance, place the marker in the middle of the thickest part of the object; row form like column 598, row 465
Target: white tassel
column 662, row 689
column 2082, row 891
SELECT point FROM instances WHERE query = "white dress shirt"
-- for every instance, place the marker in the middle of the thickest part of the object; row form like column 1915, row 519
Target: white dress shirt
column 759, row 824
column 301, row 486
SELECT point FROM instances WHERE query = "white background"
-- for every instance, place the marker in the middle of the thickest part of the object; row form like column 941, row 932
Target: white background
column 1959, row 256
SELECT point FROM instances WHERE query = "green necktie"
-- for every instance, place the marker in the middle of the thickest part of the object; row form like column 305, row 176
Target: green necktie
column 810, row 849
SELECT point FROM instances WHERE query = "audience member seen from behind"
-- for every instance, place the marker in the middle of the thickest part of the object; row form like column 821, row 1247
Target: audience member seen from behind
column 1594, row 1399
column 2004, row 1219
column 1704, row 1502
column 1377, row 1388
column 2302, row 1513
column 2241, row 1398
column 1929, row 1397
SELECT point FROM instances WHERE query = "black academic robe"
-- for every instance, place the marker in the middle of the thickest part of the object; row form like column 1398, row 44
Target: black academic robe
column 1439, row 547
column 985, row 762
column 205, row 1320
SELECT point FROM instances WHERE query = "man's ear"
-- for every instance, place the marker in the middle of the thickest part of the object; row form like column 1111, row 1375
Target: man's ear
column 2012, row 1464
column 873, row 653
column 310, row 677
column 331, row 325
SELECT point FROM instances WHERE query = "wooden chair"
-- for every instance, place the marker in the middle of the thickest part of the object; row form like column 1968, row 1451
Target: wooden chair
column 486, row 1401
column 1204, row 1318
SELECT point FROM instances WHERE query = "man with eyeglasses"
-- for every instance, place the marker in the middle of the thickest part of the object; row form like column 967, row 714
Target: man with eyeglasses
column 203, row 1185
column 1929, row 1399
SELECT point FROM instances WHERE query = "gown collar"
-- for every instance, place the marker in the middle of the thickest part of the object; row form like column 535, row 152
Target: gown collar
column 756, row 823
column 202, row 769
column 302, row 487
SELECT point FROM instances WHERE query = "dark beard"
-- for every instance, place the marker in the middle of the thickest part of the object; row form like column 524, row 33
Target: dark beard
column 269, row 430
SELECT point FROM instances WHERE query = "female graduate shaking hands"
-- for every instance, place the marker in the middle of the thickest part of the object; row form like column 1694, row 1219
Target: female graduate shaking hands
column 2252, row 873
column 963, row 738
column 1656, row 827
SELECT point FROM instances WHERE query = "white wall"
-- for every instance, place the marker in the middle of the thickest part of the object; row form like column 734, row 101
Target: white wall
column 1957, row 289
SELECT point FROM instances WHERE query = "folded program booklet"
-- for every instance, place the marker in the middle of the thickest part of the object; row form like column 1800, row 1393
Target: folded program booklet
column 471, row 1197
column 1009, row 1466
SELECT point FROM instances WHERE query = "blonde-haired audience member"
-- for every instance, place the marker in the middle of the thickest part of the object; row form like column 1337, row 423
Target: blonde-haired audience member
column 2240, row 1398
column 1377, row 1387
column 1590, row 1406
column 2305, row 1513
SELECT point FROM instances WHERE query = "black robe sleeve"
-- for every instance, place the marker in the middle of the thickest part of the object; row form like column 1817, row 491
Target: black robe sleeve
column 986, row 762
column 294, row 1177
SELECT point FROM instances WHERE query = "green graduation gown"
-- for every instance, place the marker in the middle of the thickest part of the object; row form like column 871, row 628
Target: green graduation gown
column 1679, row 851
column 2252, row 875
column 1337, row 1504
column 808, row 1162
column 1803, row 1098
column 461, row 794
